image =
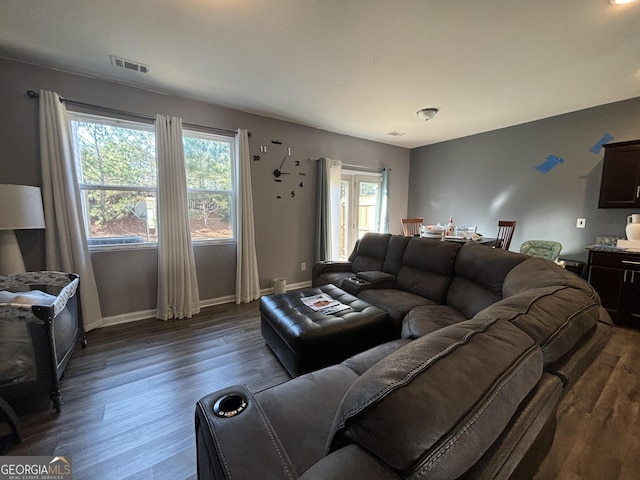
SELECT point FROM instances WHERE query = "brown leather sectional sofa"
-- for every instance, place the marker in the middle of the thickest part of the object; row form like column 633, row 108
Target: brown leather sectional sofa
column 487, row 343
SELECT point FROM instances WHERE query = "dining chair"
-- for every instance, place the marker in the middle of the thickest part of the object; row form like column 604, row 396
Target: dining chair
column 411, row 226
column 505, row 233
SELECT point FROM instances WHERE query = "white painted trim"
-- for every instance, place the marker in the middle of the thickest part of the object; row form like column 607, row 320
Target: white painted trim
column 146, row 314
column 293, row 286
column 127, row 317
column 217, row 301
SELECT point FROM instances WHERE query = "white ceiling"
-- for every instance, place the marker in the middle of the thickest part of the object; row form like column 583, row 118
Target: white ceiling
column 357, row 67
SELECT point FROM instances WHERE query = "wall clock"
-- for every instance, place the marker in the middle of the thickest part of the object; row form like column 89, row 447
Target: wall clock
column 287, row 173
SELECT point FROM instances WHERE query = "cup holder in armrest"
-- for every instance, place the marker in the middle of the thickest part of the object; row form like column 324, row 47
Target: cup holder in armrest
column 230, row 405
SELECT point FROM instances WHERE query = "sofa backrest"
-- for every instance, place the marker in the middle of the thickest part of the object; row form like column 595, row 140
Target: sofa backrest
column 427, row 268
column 538, row 273
column 431, row 409
column 371, row 252
column 480, row 272
column 555, row 317
column 395, row 252
column 553, row 306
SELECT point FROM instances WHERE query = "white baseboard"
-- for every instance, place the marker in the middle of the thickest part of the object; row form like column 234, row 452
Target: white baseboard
column 293, row 286
column 127, row 317
column 146, row 314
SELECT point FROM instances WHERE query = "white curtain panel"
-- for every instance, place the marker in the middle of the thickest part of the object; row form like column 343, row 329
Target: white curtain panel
column 382, row 224
column 247, row 279
column 177, row 282
column 335, row 172
column 65, row 241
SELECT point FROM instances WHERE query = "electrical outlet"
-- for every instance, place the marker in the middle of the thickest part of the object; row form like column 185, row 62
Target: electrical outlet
column 581, row 223
column 303, row 266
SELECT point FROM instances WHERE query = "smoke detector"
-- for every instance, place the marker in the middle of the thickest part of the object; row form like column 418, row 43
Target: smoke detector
column 120, row 62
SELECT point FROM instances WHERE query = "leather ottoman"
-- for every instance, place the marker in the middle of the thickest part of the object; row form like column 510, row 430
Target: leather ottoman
column 306, row 340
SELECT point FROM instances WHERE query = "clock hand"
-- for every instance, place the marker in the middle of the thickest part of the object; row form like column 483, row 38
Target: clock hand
column 280, row 167
column 278, row 171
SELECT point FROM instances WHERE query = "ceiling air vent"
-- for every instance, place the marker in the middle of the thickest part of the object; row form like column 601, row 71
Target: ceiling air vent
column 395, row 133
column 128, row 64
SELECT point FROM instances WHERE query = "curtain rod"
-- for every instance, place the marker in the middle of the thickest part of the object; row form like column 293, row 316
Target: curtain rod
column 362, row 168
column 222, row 131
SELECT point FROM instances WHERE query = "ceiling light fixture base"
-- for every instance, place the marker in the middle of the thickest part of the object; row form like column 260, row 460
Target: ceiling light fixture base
column 427, row 114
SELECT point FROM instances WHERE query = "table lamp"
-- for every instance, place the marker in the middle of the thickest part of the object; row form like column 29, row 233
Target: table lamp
column 20, row 209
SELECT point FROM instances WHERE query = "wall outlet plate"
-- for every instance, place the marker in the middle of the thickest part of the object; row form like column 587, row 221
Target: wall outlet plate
column 581, row 223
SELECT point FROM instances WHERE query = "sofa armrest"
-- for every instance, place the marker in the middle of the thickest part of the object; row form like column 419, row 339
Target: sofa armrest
column 367, row 280
column 229, row 426
column 348, row 463
column 377, row 279
column 329, row 266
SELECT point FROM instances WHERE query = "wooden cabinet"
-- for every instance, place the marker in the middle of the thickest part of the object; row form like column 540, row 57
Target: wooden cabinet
column 616, row 278
column 620, row 185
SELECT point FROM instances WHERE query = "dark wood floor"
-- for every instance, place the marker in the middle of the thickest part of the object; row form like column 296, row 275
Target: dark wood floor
column 598, row 436
column 130, row 400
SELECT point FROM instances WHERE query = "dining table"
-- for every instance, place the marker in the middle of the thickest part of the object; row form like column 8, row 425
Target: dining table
column 488, row 241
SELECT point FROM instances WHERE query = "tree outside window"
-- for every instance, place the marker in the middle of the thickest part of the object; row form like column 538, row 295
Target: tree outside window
column 117, row 171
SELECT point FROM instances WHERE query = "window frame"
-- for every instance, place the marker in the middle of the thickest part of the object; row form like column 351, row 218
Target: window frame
column 76, row 116
column 233, row 192
column 350, row 228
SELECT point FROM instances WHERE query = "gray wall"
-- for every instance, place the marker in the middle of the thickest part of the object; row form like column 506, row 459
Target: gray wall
column 491, row 176
column 285, row 228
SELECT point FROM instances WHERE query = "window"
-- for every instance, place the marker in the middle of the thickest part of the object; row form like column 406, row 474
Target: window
column 117, row 171
column 210, row 185
column 359, row 197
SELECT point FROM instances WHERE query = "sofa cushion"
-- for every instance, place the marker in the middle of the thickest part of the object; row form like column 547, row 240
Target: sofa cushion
column 437, row 406
column 555, row 317
column 350, row 463
column 524, row 443
column 312, row 402
column 334, row 278
column 479, row 275
column 372, row 250
column 573, row 364
column 427, row 268
column 395, row 252
column 361, row 362
column 429, row 318
column 396, row 303
column 539, row 272
column 469, row 297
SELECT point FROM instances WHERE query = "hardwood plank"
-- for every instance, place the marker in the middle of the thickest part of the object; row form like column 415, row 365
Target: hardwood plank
column 130, row 398
column 598, row 424
column 130, row 395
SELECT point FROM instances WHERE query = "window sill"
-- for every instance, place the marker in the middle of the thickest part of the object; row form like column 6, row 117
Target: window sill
column 148, row 246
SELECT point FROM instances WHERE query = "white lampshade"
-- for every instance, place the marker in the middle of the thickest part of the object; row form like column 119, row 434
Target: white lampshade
column 20, row 209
